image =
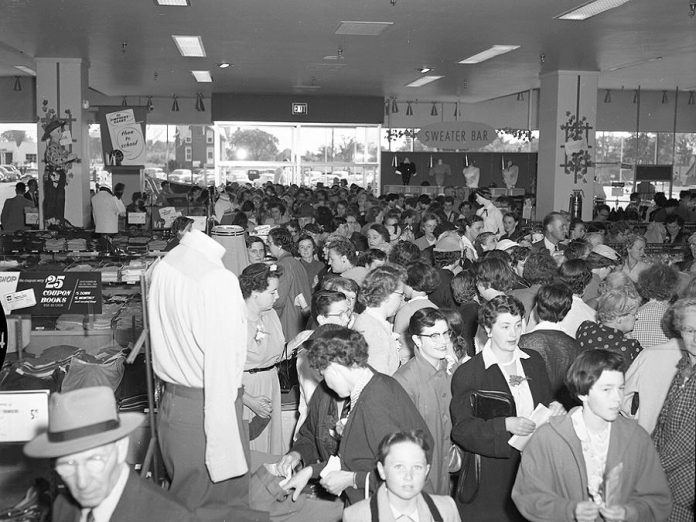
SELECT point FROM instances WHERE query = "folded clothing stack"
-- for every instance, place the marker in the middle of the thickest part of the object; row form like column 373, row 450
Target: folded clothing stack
column 138, row 244
column 77, row 244
column 156, row 245
column 110, row 273
column 58, row 356
column 34, row 507
column 133, row 270
column 55, row 245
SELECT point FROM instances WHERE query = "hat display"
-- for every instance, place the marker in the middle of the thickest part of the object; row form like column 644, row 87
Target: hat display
column 608, row 252
column 82, row 419
column 50, row 127
column 504, row 244
column 448, row 242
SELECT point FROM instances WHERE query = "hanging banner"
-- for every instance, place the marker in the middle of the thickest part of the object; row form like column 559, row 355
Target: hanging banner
column 462, row 135
column 123, row 135
column 57, row 293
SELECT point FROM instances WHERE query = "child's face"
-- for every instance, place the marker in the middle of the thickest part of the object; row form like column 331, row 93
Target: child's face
column 404, row 470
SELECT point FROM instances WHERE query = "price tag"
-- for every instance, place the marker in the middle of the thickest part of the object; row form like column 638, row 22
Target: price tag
column 137, row 218
column 23, row 415
column 17, row 300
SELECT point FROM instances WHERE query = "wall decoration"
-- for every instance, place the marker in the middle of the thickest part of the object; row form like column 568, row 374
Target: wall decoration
column 577, row 147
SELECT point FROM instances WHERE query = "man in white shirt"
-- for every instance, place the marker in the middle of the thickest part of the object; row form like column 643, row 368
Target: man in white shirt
column 89, row 440
column 105, row 211
column 198, row 332
column 555, row 230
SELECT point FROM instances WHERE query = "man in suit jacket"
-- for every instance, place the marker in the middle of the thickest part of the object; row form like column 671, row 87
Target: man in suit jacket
column 555, row 230
column 89, row 440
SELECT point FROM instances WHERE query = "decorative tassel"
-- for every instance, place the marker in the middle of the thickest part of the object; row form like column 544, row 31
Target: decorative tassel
column 431, row 161
column 466, row 159
column 395, row 162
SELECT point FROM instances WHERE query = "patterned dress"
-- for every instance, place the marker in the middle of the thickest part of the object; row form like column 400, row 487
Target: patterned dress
column 596, row 336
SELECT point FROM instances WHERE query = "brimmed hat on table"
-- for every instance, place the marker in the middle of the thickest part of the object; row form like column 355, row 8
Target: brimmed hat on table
column 82, row 419
column 606, row 251
column 504, row 244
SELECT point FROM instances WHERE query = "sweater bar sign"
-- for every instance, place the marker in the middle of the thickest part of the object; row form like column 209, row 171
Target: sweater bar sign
column 58, row 293
column 461, row 135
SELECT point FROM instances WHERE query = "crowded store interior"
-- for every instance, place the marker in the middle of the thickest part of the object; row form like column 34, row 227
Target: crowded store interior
column 375, row 261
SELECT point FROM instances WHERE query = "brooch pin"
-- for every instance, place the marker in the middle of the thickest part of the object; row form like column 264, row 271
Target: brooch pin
column 516, row 380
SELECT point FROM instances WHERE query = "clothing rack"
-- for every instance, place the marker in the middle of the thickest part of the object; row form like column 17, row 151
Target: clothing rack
column 151, row 456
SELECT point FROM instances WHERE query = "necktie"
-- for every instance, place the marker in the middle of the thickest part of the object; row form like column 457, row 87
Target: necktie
column 90, row 516
column 346, row 408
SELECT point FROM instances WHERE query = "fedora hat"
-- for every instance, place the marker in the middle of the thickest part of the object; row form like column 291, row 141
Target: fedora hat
column 50, row 127
column 79, row 420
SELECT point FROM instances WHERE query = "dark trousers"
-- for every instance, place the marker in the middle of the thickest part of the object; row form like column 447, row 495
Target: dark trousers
column 182, row 441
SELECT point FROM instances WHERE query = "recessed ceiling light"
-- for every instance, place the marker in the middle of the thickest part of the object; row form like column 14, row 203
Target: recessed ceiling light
column 202, row 76
column 589, row 9
column 424, row 70
column 174, row 3
column 423, row 80
column 224, row 65
column 362, row 28
column 494, row 51
column 25, row 69
column 189, row 45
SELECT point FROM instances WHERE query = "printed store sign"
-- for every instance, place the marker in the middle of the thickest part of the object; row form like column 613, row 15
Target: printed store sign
column 462, row 135
column 63, row 292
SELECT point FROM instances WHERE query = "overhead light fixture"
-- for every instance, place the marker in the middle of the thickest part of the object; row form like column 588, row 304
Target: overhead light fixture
column 17, row 84
column 394, row 107
column 665, row 98
column 202, row 76
column 607, row 96
column 494, row 51
column 636, row 95
column 190, row 46
column 590, row 9
column 520, row 96
column 433, row 111
column 150, row 106
column 409, row 110
column 173, row 3
column 423, row 80
column 224, row 65
column 691, row 98
column 352, row 28
column 424, row 70
column 25, row 69
column 124, row 102
column 175, row 104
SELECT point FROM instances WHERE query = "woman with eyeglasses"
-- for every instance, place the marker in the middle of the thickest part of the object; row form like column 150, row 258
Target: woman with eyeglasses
column 520, row 376
column 382, row 293
column 427, row 380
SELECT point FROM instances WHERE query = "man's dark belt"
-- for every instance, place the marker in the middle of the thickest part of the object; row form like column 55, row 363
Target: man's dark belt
column 259, row 370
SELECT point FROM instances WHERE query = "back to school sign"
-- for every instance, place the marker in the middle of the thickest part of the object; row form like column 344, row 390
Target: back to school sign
column 63, row 292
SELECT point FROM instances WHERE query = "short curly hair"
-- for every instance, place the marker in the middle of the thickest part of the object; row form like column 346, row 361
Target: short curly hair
column 617, row 303
column 341, row 346
column 540, row 268
column 576, row 274
column 422, row 277
column 282, row 238
column 553, row 302
column 380, row 283
column 501, row 304
column 403, row 253
column 255, row 277
column 443, row 259
column 673, row 320
column 495, row 273
column 343, row 247
column 464, row 286
column 658, row 281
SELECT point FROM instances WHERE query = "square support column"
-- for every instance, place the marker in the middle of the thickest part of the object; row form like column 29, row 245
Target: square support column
column 61, row 87
column 565, row 95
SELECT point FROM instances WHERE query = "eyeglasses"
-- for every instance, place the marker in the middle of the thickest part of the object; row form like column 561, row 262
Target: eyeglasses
column 94, row 464
column 437, row 336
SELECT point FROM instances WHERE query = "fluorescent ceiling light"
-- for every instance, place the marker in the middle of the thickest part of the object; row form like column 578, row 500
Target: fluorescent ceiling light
column 26, row 69
column 424, row 70
column 202, row 76
column 494, row 51
column 224, row 65
column 424, row 80
column 362, row 28
column 180, row 3
column 589, row 9
column 189, row 45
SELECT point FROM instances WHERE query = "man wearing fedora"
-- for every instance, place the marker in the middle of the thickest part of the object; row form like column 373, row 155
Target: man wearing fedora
column 89, row 440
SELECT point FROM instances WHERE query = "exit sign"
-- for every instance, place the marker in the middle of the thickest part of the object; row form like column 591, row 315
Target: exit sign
column 299, row 109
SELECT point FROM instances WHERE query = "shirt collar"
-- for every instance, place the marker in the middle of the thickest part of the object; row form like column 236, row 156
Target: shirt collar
column 431, row 370
column 549, row 245
column 489, row 358
column 548, row 325
column 359, row 387
column 207, row 246
column 104, row 511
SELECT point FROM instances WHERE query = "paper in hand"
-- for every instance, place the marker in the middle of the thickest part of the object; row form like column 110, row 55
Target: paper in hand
column 612, row 485
column 300, row 301
column 334, row 464
column 540, row 415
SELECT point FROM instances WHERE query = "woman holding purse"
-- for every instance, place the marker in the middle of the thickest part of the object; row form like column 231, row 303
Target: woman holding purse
column 493, row 397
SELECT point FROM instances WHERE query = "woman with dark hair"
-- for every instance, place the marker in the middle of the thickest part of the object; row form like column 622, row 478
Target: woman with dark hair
column 180, row 226
column 378, row 406
column 511, row 222
column 592, row 461
column 403, row 253
column 294, row 293
column 421, row 280
column 428, row 224
column 265, row 342
column 539, row 269
column 378, row 237
column 427, row 380
column 494, row 277
column 485, row 242
column 470, row 228
column 576, row 274
column 403, row 466
column 307, row 249
column 382, row 293
column 616, row 316
column 466, row 297
column 657, row 284
column 521, row 377
column 557, row 348
column 462, row 347
column 256, row 249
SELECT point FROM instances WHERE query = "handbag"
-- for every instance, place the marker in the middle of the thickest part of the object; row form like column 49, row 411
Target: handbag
column 486, row 405
column 287, row 370
column 454, row 459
